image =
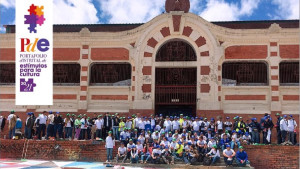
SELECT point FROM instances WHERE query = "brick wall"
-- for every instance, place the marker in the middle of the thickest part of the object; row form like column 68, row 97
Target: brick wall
column 261, row 157
column 273, row 156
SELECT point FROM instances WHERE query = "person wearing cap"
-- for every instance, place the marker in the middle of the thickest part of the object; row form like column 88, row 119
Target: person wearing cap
column 236, row 120
column 134, row 135
column 122, row 151
column 224, row 142
column 179, row 154
column 115, row 126
column 256, row 129
column 109, row 145
column 89, row 128
column 241, row 157
column 83, row 127
column 128, row 123
column 214, row 154
column 77, row 125
column 99, row 126
column 121, row 126
column 107, row 123
column 141, row 125
column 235, row 140
column 267, row 130
column 212, row 142
column 284, row 128
column 147, row 152
column 229, row 155
column 219, row 125
column 247, row 138
column 29, row 125
column 228, row 125
column 41, row 129
column 212, row 126
column 12, row 120
column 175, row 124
column 292, row 125
column 167, row 124
column 277, row 126
column 167, row 155
column 196, row 126
column 92, row 126
column 241, row 125
column 68, row 127
column 156, row 155
column 134, row 156
column 58, row 125
column 50, row 127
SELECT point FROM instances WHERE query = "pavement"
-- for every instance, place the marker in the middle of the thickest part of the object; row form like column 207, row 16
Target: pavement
column 44, row 164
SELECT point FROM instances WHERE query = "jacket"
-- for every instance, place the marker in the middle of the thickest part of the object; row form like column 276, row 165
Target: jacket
column 241, row 155
column 30, row 123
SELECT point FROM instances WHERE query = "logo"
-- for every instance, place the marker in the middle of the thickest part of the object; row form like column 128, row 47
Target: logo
column 35, row 17
column 41, row 44
column 27, row 86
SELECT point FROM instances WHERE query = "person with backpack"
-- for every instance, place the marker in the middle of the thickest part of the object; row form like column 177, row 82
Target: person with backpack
column 291, row 129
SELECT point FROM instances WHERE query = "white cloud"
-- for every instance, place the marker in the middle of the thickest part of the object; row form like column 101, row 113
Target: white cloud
column 74, row 12
column 8, row 3
column 2, row 29
column 220, row 10
column 287, row 9
column 131, row 11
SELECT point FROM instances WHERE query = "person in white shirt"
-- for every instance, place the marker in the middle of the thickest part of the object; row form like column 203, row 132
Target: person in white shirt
column 175, row 124
column 137, row 121
column 139, row 147
column 156, row 153
column 200, row 143
column 219, row 125
column 99, row 126
column 50, row 127
column 122, row 152
column 291, row 127
column 196, row 125
column 283, row 128
column 246, row 138
column 214, row 154
column 83, row 127
column 141, row 124
column 141, row 138
column 212, row 142
column 109, row 145
column 128, row 123
column 168, row 124
column 228, row 125
column 228, row 154
column 152, row 120
column 68, row 127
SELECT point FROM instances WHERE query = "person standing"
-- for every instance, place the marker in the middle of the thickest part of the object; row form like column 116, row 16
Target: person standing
column 29, row 125
column 12, row 120
column 268, row 125
column 115, row 127
column 83, row 127
column 220, row 125
column 50, row 127
column 109, row 145
column 58, row 121
column 256, row 128
column 68, row 127
column 99, row 126
column 277, row 126
column 291, row 127
column 283, row 128
column 107, row 124
column 77, row 127
column 41, row 121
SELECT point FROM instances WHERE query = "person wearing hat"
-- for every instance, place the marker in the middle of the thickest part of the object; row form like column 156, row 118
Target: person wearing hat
column 58, row 125
column 277, row 126
column 219, row 125
column 224, row 142
column 175, row 124
column 121, row 126
column 256, row 129
column 284, row 128
column 241, row 125
column 228, row 154
column 214, row 154
column 115, row 126
column 122, row 151
column 29, row 125
column 241, row 157
column 267, row 130
column 167, row 156
column 247, row 138
column 235, row 140
column 50, row 127
column 168, row 124
column 68, row 127
column 228, row 125
column 134, row 156
column 179, row 154
column 212, row 126
column 109, row 145
column 12, row 120
column 99, row 126
column 77, row 127
column 292, row 125
column 156, row 155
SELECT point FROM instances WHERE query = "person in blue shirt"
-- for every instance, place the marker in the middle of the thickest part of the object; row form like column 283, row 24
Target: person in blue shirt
column 242, row 157
column 224, row 142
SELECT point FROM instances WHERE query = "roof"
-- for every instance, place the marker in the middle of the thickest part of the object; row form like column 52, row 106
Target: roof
column 264, row 24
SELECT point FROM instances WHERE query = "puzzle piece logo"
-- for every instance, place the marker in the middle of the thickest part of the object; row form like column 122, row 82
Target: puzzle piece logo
column 27, row 86
column 35, row 17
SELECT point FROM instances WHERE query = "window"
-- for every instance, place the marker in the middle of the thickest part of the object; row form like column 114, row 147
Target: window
column 245, row 74
column 7, row 74
column 66, row 74
column 176, row 51
column 289, row 73
column 111, row 74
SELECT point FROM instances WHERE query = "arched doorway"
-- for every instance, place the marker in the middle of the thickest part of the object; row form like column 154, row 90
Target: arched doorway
column 176, row 88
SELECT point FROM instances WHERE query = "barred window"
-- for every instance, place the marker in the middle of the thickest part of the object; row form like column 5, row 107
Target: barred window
column 244, row 74
column 7, row 74
column 289, row 73
column 66, row 74
column 111, row 74
column 176, row 50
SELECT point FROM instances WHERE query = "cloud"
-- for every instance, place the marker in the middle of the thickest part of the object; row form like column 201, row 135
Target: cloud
column 287, row 9
column 220, row 10
column 2, row 29
column 74, row 12
column 7, row 3
column 131, row 11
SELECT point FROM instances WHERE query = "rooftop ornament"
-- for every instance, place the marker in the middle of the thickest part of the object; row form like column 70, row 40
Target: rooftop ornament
column 177, row 5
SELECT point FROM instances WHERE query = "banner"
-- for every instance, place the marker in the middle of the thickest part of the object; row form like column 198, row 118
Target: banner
column 34, row 52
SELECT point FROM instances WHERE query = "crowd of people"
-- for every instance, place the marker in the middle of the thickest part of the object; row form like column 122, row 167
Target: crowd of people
column 158, row 138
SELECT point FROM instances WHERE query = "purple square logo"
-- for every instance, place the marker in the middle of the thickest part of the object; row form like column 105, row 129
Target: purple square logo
column 27, row 86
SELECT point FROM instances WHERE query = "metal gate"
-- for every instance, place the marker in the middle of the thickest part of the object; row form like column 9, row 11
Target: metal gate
column 175, row 91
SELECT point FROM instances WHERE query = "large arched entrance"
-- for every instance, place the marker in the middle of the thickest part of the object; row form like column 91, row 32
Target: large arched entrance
column 176, row 87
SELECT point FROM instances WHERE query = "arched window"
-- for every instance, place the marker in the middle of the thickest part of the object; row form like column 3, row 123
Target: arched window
column 176, row 50
column 7, row 73
column 112, row 74
column 244, row 74
column 289, row 73
column 66, row 74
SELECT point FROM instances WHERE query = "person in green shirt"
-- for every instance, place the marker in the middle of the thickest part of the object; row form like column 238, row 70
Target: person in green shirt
column 121, row 125
column 77, row 127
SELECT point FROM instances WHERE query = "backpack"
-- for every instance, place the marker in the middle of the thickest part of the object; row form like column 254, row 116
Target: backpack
column 206, row 161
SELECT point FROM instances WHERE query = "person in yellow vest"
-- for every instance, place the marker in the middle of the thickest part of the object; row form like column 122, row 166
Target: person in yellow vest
column 181, row 120
column 241, row 125
column 121, row 124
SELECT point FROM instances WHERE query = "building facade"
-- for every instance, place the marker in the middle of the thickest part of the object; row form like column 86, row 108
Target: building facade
column 176, row 63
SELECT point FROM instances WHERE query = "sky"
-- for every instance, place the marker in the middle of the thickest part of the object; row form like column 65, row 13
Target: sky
column 141, row 11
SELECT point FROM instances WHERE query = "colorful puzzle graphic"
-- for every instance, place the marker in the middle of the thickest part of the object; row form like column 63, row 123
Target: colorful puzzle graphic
column 35, row 17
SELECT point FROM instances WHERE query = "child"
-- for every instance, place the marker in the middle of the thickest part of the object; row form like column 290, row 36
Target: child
column 109, row 145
